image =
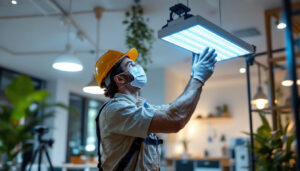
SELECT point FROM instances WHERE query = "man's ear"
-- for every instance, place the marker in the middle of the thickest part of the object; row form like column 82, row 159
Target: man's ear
column 119, row 79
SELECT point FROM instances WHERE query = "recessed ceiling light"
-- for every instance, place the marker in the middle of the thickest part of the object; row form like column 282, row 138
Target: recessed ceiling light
column 14, row 2
column 242, row 70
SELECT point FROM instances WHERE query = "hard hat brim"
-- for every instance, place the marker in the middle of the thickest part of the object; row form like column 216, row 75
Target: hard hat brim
column 132, row 54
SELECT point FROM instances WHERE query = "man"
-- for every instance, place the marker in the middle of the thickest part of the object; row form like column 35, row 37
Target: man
column 126, row 124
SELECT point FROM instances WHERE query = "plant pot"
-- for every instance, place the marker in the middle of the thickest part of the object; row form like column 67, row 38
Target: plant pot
column 92, row 160
column 76, row 160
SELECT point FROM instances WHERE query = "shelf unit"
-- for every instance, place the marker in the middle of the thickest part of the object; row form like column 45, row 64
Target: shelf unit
column 213, row 117
column 281, row 109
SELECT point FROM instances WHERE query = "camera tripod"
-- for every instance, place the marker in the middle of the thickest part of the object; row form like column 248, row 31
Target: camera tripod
column 42, row 148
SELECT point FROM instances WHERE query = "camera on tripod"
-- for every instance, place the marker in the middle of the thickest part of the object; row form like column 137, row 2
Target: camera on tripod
column 41, row 130
column 42, row 146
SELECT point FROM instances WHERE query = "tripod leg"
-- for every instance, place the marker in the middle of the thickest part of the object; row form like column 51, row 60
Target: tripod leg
column 48, row 158
column 33, row 157
column 40, row 158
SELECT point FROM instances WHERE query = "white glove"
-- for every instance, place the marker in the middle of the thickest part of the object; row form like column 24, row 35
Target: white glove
column 203, row 65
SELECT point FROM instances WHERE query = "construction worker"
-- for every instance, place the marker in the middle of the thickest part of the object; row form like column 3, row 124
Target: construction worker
column 126, row 124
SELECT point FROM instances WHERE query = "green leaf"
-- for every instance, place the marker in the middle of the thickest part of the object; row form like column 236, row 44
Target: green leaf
column 265, row 122
column 19, row 89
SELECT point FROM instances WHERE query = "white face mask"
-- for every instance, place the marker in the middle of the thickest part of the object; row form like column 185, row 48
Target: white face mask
column 139, row 75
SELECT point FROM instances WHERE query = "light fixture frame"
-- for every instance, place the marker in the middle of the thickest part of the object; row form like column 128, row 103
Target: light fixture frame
column 183, row 23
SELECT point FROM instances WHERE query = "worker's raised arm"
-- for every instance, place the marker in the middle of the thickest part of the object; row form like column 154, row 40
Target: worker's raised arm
column 180, row 110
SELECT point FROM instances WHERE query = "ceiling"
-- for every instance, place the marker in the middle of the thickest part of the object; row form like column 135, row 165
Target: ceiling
column 31, row 44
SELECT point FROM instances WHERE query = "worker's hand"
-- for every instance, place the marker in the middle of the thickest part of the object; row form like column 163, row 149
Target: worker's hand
column 203, row 65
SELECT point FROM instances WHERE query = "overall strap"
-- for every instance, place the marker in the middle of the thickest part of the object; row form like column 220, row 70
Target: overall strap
column 98, row 136
column 135, row 146
column 151, row 141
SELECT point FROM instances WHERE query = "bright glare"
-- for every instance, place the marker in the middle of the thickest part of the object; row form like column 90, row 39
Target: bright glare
column 260, row 103
column 90, row 147
column 14, row 2
column 67, row 66
column 192, row 130
column 242, row 70
column 287, row 83
column 179, row 149
column 197, row 38
column 281, row 25
column 93, row 90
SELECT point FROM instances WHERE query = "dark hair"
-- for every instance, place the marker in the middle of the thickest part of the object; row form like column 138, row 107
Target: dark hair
column 111, row 89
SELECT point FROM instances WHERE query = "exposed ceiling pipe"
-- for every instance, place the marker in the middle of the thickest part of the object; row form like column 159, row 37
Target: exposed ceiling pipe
column 54, row 15
column 36, row 53
column 39, row 15
column 98, row 13
column 73, row 23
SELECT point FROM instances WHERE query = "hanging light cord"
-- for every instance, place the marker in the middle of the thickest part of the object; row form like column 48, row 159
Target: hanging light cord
column 97, row 37
column 259, row 76
column 187, row 3
column 220, row 13
column 69, row 24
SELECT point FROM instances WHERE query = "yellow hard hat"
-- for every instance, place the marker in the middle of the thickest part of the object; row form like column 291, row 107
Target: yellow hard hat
column 108, row 60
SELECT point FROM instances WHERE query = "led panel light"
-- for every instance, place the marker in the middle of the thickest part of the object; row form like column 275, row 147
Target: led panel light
column 196, row 33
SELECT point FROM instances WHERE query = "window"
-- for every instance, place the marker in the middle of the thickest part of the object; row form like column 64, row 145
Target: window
column 91, row 140
column 82, row 127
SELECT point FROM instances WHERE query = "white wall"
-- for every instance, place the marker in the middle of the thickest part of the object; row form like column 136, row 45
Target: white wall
column 154, row 91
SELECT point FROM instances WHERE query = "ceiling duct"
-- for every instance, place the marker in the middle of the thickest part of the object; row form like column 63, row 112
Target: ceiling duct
column 45, row 7
column 247, row 32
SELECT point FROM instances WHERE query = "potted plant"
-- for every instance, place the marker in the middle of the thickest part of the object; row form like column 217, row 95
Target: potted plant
column 19, row 116
column 91, row 156
column 225, row 111
column 76, row 155
column 273, row 149
column 138, row 33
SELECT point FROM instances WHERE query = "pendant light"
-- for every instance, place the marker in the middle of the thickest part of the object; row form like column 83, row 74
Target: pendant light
column 280, row 24
column 68, row 61
column 287, row 82
column 93, row 87
column 260, row 99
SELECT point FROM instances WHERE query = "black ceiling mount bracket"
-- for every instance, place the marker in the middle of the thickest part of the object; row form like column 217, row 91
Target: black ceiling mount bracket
column 180, row 10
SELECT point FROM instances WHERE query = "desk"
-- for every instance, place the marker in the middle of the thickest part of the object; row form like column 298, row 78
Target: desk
column 86, row 167
column 200, row 164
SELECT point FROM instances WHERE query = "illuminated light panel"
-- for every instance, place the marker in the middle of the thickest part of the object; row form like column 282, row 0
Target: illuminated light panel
column 196, row 33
